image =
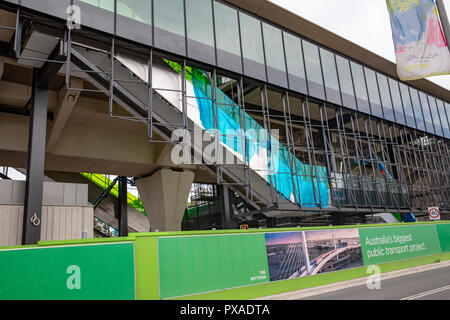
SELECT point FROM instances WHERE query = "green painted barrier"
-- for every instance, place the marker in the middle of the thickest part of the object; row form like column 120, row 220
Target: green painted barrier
column 221, row 263
column 85, row 272
column 443, row 231
column 386, row 244
column 189, row 265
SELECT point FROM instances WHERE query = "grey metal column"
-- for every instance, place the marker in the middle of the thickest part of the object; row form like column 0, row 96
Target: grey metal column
column 444, row 21
column 35, row 164
column 122, row 207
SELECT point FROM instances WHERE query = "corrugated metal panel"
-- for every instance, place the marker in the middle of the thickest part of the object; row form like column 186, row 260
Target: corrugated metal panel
column 57, row 223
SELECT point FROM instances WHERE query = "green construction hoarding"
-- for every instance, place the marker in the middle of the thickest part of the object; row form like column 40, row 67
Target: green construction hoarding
column 190, row 265
column 175, row 264
column 443, row 231
column 386, row 244
column 82, row 272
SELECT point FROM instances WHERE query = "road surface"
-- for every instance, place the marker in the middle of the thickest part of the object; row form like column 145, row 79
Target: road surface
column 426, row 285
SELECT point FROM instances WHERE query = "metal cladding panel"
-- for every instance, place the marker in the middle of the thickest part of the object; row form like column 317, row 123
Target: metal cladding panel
column 57, row 223
column 57, row 8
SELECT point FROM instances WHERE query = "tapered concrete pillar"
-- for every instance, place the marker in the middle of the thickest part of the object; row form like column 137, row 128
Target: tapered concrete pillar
column 164, row 195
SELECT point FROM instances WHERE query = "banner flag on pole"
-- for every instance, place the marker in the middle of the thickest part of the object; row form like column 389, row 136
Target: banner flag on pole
column 420, row 47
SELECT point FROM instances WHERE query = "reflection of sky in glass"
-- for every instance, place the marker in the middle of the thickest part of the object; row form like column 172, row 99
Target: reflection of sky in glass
column 283, row 238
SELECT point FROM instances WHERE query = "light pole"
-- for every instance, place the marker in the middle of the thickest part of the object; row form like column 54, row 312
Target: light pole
column 444, row 21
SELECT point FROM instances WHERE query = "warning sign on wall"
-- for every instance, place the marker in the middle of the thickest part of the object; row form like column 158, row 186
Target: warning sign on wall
column 434, row 213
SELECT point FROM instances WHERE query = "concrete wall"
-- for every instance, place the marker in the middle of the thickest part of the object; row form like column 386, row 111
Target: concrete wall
column 66, row 213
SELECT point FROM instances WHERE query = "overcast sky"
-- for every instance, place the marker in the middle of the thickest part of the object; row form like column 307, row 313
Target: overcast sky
column 364, row 22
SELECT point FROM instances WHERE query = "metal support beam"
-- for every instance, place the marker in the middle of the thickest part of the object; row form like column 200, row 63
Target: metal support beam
column 67, row 99
column 35, row 166
column 122, row 206
column 444, row 20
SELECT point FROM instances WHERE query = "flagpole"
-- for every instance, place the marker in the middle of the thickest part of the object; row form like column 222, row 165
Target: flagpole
column 444, row 21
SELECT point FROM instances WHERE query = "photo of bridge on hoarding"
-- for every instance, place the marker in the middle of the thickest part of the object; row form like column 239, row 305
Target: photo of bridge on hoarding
column 325, row 251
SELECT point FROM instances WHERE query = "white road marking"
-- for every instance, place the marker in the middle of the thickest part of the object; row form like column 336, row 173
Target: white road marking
column 427, row 293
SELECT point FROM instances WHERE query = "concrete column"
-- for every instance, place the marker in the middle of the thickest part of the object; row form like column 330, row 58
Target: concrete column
column 164, row 195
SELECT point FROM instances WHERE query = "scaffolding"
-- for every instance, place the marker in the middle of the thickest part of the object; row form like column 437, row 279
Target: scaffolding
column 335, row 159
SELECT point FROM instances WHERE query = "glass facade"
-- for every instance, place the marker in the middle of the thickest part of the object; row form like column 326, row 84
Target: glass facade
column 134, row 20
column 169, row 25
column 200, row 31
column 385, row 95
column 275, row 62
column 252, row 47
column 426, row 112
column 330, row 76
column 227, row 38
column 294, row 61
column 435, row 116
column 407, row 106
column 359, row 81
column 313, row 70
column 397, row 101
column 444, row 120
column 417, row 109
column 221, row 35
column 346, row 82
column 374, row 95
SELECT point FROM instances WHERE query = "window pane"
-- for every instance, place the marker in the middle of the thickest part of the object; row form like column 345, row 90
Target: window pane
column 417, row 109
column 345, row 80
column 134, row 20
column 385, row 97
column 407, row 106
column 313, row 70
column 374, row 96
column 330, row 76
column 102, row 10
column 447, row 109
column 360, row 87
column 252, row 47
column 294, row 59
column 200, row 30
column 444, row 120
column 426, row 113
column 435, row 116
column 169, row 25
column 273, row 46
column 227, row 38
column 397, row 101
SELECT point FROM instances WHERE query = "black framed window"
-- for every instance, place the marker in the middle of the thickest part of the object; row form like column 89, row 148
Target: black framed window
column 330, row 76
column 313, row 70
column 169, row 26
column 359, row 82
column 134, row 20
column 228, row 45
column 252, row 47
column 407, row 106
column 294, row 61
column 444, row 120
column 385, row 96
column 374, row 96
column 200, row 30
column 346, row 83
column 426, row 112
column 273, row 47
column 417, row 109
column 435, row 116
column 397, row 101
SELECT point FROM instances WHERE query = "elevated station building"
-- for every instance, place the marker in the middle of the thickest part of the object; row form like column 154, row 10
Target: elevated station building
column 304, row 125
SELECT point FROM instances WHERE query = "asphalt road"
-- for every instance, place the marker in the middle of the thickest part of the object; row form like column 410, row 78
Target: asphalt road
column 425, row 285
